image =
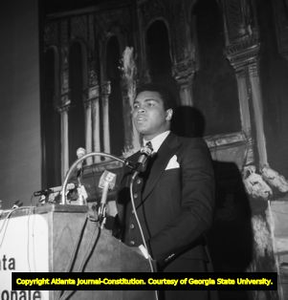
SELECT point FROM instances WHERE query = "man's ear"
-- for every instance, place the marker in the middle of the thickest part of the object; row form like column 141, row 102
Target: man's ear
column 169, row 114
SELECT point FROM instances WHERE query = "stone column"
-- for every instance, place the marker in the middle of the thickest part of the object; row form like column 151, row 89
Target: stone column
column 105, row 92
column 183, row 45
column 93, row 142
column 94, row 121
column 96, row 126
column 242, row 55
column 258, row 112
column 64, row 139
column 242, row 50
column 88, row 128
column 63, row 108
column 243, row 94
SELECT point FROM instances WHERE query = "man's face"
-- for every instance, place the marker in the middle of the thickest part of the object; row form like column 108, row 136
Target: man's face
column 149, row 115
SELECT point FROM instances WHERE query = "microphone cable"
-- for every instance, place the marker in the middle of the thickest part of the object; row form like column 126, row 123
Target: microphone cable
column 75, row 252
column 90, row 249
column 7, row 217
column 140, row 228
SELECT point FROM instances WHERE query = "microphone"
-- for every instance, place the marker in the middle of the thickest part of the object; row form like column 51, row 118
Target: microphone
column 80, row 153
column 107, row 181
column 17, row 204
column 42, row 192
column 145, row 153
column 82, row 194
column 56, row 189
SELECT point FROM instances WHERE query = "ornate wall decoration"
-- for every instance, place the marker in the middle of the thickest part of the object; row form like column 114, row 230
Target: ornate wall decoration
column 181, row 41
column 242, row 37
column 79, row 28
column 91, row 33
column 51, row 34
column 184, row 70
column 92, row 76
column 239, row 19
column 109, row 22
column 151, row 10
column 64, row 37
column 243, row 52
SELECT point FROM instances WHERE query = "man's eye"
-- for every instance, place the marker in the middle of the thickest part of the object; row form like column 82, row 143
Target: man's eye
column 135, row 106
column 151, row 104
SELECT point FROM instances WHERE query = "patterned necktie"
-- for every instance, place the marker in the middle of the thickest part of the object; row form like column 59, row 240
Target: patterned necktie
column 150, row 161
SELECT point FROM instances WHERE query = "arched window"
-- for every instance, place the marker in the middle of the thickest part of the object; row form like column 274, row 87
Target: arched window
column 215, row 86
column 158, row 51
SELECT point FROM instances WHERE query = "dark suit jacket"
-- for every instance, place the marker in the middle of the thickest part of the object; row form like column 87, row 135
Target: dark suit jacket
column 175, row 206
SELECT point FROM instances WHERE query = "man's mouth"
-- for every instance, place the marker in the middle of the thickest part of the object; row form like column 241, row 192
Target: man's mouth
column 141, row 119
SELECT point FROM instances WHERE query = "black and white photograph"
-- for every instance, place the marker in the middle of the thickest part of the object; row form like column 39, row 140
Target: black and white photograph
column 144, row 150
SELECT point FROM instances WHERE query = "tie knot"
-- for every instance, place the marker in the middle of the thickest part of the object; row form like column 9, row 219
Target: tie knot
column 149, row 145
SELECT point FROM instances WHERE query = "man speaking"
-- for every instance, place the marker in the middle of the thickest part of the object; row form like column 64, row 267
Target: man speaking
column 173, row 194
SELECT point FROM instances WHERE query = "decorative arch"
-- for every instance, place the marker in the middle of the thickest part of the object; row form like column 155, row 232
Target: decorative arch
column 158, row 19
column 114, row 35
column 84, row 57
column 158, row 50
column 215, row 85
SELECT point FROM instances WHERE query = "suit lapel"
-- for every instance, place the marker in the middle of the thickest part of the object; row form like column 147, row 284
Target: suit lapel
column 164, row 154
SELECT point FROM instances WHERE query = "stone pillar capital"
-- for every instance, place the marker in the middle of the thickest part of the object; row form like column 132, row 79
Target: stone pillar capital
column 242, row 53
column 91, row 94
column 183, row 71
column 106, row 88
column 64, row 107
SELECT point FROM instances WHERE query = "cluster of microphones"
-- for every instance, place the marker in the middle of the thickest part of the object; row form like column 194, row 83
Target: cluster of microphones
column 106, row 182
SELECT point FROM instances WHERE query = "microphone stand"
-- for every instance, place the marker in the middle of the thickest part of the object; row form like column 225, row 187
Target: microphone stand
column 75, row 164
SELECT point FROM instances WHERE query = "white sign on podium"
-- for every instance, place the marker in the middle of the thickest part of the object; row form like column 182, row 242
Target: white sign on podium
column 23, row 248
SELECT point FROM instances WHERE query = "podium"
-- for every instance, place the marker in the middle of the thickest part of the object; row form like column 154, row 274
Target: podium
column 45, row 239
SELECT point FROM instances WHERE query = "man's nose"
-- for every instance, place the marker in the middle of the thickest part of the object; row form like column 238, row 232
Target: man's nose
column 141, row 110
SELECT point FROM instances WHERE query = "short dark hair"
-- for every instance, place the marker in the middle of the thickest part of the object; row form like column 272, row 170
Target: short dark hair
column 165, row 93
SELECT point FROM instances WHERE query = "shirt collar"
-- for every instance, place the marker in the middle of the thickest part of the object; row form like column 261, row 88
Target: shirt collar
column 157, row 140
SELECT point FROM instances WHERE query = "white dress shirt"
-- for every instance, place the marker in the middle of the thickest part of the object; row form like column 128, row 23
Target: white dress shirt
column 157, row 140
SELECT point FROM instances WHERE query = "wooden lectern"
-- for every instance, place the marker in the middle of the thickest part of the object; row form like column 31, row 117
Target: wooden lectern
column 66, row 226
